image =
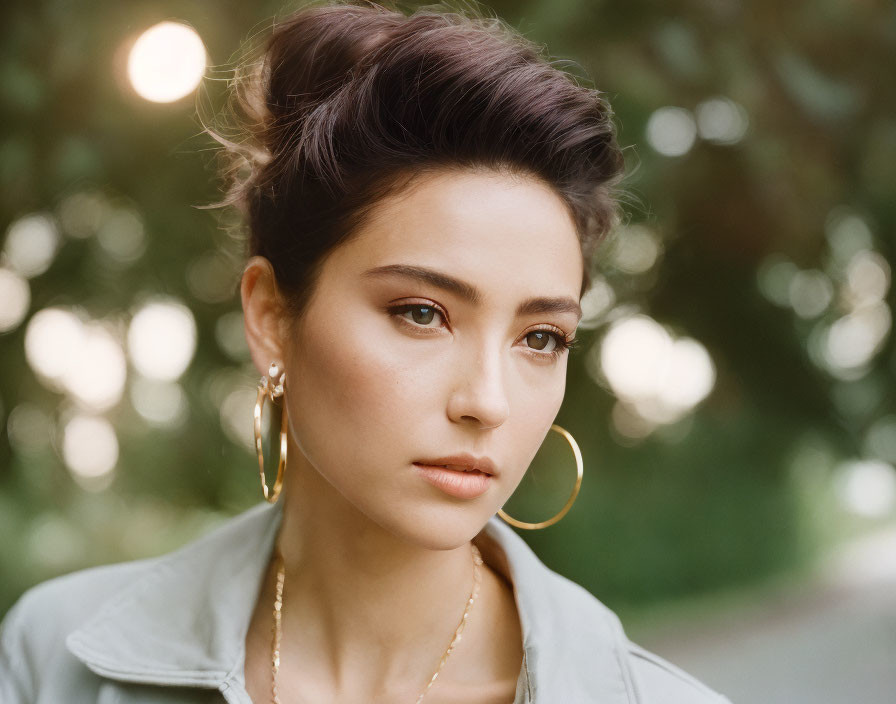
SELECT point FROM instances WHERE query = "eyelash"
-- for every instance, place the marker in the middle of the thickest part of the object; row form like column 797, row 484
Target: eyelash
column 562, row 343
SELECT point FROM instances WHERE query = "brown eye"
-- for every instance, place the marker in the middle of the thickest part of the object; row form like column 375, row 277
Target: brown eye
column 539, row 339
column 422, row 315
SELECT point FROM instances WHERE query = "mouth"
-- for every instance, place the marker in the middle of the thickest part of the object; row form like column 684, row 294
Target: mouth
column 455, row 467
column 461, row 481
column 464, row 462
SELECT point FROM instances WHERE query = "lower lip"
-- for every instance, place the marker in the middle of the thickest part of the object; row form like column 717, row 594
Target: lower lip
column 464, row 485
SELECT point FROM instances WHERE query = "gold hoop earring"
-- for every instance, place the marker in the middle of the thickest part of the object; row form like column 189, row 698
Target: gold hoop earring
column 575, row 492
column 272, row 387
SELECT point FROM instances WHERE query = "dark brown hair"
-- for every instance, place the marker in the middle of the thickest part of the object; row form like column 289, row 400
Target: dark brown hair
column 347, row 102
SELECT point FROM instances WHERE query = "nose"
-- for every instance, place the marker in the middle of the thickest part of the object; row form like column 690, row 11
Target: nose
column 480, row 396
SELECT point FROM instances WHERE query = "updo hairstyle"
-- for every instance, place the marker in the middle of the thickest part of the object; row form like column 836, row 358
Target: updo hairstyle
column 347, row 102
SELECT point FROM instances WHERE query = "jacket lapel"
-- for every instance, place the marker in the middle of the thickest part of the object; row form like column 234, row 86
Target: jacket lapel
column 575, row 645
column 184, row 621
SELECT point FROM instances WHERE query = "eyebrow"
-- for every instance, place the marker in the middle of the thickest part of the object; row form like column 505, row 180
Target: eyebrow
column 468, row 292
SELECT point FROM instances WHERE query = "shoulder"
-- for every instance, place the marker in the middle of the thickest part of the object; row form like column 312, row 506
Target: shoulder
column 650, row 678
column 658, row 681
column 33, row 631
column 653, row 679
column 67, row 601
column 64, row 603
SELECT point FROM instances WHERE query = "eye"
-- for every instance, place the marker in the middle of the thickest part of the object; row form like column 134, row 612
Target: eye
column 421, row 314
column 542, row 338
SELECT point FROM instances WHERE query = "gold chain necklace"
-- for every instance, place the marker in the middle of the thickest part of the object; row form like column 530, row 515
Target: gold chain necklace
column 278, row 608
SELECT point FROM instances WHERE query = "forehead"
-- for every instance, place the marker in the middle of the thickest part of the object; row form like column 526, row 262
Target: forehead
column 501, row 232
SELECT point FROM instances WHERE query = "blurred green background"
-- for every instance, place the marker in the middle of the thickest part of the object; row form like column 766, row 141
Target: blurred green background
column 734, row 395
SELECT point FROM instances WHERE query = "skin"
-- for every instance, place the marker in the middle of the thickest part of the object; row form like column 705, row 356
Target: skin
column 378, row 561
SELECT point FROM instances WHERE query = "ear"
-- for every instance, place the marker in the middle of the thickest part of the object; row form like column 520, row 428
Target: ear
column 262, row 314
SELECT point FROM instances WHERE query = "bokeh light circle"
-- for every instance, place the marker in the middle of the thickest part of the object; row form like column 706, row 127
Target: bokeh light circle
column 166, row 62
column 162, row 339
column 89, row 446
column 16, row 296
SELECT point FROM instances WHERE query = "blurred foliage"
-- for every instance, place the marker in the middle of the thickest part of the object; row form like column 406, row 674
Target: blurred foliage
column 740, row 489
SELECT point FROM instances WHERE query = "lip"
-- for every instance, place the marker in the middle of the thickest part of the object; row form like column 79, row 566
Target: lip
column 462, row 462
column 455, row 482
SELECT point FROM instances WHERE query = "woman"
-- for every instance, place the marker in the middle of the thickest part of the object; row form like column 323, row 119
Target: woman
column 423, row 194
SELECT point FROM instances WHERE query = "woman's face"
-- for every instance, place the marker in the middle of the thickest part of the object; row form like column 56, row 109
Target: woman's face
column 435, row 331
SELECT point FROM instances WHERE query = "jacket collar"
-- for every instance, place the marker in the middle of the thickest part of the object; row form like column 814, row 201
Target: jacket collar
column 183, row 621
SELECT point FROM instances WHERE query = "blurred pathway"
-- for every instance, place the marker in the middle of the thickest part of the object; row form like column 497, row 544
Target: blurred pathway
column 830, row 642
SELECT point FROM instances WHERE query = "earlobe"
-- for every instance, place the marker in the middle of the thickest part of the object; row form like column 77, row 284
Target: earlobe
column 261, row 312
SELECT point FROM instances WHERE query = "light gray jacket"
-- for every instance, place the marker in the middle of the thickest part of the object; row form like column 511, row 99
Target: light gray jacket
column 172, row 629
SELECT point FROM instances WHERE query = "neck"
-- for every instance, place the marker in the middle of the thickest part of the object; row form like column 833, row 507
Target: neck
column 360, row 604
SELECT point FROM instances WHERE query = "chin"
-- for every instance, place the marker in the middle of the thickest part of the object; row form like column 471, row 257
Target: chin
column 445, row 527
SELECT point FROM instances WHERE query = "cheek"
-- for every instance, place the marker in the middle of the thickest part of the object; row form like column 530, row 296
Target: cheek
column 355, row 395
column 535, row 414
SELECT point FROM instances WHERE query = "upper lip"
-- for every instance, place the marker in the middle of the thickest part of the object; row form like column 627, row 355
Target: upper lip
column 464, row 461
